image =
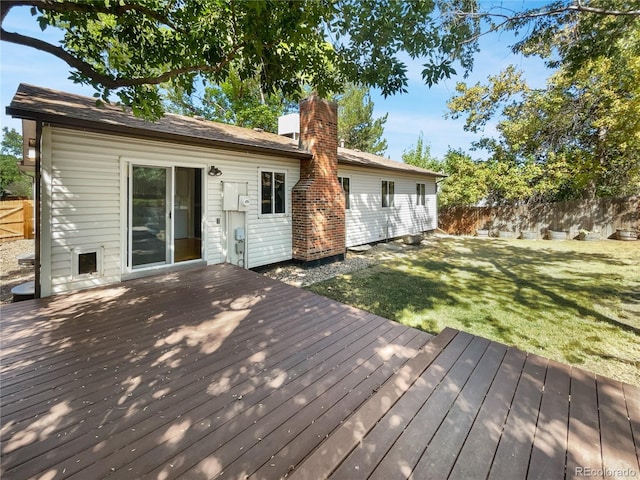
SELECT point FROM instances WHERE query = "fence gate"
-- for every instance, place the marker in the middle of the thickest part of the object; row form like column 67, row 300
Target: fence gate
column 16, row 219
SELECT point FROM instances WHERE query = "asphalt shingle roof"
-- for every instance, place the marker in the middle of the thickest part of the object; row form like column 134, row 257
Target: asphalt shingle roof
column 78, row 111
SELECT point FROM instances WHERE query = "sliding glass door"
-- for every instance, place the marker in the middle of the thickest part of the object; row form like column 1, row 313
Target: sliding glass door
column 187, row 218
column 149, row 215
column 165, row 215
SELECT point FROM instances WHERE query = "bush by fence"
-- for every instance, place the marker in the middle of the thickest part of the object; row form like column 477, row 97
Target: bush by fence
column 604, row 215
column 16, row 219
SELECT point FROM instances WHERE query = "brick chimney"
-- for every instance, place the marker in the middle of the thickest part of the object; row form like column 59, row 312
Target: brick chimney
column 318, row 199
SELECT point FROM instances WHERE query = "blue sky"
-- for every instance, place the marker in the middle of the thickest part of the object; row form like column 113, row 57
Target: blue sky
column 420, row 110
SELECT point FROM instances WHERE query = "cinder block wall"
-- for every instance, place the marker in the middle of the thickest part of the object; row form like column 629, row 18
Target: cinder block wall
column 318, row 199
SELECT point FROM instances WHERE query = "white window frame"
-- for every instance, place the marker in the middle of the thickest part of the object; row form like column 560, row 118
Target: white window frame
column 421, row 194
column 388, row 198
column 126, row 169
column 347, row 195
column 75, row 263
column 273, row 171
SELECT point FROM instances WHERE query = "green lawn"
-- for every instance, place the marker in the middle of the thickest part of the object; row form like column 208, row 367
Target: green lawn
column 575, row 302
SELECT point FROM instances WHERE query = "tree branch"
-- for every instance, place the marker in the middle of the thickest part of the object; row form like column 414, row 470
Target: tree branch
column 107, row 81
column 577, row 7
column 602, row 11
column 83, row 67
column 93, row 7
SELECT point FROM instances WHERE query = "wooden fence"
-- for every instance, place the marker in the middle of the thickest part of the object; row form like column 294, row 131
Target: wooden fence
column 603, row 215
column 16, row 220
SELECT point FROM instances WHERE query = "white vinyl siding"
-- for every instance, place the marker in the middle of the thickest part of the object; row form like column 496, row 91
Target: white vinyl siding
column 87, row 201
column 367, row 221
column 82, row 198
column 269, row 237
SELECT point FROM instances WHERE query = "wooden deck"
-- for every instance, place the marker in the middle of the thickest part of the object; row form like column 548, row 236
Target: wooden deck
column 221, row 372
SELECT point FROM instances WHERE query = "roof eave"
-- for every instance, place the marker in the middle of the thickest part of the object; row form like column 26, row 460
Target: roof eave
column 101, row 127
column 391, row 168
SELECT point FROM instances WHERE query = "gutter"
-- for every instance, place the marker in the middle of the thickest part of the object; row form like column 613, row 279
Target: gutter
column 425, row 173
column 134, row 132
column 38, row 211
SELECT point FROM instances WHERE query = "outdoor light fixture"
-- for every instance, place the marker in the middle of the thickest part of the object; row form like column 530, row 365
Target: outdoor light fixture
column 215, row 171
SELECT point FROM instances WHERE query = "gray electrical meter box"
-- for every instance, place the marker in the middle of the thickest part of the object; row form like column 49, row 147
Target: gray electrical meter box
column 243, row 203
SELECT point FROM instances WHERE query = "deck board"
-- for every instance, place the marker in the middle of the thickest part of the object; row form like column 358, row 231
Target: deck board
column 440, row 455
column 478, row 450
column 367, row 456
column 252, row 425
column 550, row 443
column 226, row 366
column 584, row 449
column 401, row 459
column 332, row 417
column 632, row 398
column 332, row 453
column 162, row 428
column 112, row 360
column 618, row 449
column 514, row 450
column 301, row 410
column 221, row 372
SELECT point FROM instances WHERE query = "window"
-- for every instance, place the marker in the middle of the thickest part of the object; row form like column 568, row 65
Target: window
column 346, row 186
column 420, row 194
column 388, row 193
column 272, row 192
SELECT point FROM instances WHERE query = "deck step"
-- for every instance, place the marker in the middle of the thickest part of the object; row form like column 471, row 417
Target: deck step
column 341, row 443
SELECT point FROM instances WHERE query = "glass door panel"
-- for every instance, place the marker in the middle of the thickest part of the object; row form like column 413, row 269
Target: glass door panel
column 187, row 220
column 149, row 205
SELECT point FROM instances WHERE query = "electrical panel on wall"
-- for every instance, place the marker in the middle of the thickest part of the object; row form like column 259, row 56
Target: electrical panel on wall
column 230, row 193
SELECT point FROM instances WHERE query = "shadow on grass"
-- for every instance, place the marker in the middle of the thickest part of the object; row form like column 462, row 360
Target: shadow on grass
column 538, row 298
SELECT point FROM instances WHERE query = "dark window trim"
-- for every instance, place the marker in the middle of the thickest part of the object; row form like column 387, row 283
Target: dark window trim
column 388, row 191
column 347, row 191
column 277, row 206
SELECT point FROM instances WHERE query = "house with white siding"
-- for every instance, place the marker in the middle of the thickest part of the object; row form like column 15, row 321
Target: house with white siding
column 118, row 197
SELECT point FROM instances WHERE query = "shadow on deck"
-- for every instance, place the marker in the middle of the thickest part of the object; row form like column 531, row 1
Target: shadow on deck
column 219, row 371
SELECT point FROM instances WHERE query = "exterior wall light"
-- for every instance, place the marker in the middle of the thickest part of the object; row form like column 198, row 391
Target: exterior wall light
column 214, row 171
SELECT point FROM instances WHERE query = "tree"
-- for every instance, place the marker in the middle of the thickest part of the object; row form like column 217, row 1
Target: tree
column 579, row 137
column 233, row 101
column 420, row 156
column 356, row 125
column 130, row 47
column 467, row 179
column 577, row 31
column 11, row 143
column 466, row 183
column 12, row 181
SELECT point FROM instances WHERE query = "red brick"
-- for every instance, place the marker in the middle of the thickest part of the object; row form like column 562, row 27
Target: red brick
column 318, row 198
